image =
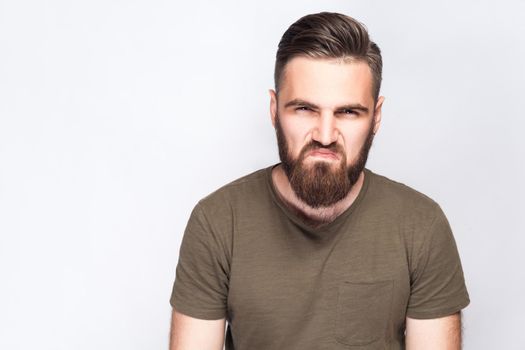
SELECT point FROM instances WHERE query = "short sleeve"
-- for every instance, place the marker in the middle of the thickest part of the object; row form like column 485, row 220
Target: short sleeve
column 437, row 283
column 201, row 282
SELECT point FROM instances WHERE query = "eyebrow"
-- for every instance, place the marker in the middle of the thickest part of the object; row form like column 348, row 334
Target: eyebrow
column 300, row 102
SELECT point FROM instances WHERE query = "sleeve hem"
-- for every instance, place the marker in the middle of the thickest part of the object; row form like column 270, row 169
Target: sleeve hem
column 437, row 313
column 199, row 313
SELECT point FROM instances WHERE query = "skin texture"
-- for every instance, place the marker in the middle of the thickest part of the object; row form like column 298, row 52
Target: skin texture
column 340, row 91
column 434, row 334
column 188, row 333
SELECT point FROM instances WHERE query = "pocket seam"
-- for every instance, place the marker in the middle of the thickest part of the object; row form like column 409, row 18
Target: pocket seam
column 338, row 338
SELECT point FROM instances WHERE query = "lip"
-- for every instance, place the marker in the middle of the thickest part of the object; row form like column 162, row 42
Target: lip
column 323, row 154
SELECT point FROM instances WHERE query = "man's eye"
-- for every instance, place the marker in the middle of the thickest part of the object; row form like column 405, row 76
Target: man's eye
column 349, row 111
column 302, row 108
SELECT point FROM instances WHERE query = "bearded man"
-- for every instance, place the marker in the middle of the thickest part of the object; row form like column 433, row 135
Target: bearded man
column 318, row 251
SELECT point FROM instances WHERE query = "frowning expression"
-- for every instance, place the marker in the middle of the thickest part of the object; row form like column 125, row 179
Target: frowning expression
column 325, row 117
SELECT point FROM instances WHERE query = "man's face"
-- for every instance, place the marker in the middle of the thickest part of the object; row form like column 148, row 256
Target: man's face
column 324, row 120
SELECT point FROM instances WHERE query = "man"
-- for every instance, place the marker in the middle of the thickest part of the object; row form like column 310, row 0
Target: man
column 317, row 251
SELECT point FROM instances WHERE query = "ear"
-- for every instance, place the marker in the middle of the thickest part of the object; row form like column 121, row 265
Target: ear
column 273, row 106
column 377, row 115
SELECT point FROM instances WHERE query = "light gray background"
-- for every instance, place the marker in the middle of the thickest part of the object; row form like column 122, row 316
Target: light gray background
column 117, row 116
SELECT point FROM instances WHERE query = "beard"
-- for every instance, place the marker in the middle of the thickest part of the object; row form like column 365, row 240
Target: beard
column 319, row 184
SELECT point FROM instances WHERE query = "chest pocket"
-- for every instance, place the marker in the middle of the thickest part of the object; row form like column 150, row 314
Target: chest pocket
column 363, row 311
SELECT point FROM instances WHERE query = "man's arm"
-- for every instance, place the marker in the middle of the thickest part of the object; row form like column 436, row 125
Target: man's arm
column 188, row 333
column 442, row 333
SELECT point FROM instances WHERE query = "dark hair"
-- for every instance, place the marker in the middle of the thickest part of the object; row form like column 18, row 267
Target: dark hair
column 329, row 35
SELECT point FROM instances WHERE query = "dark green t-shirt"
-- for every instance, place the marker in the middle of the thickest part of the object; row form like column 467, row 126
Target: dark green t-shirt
column 281, row 284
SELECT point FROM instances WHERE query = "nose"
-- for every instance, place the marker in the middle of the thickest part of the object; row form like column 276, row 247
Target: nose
column 325, row 131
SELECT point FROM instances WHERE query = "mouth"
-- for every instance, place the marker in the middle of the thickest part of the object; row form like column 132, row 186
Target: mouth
column 321, row 153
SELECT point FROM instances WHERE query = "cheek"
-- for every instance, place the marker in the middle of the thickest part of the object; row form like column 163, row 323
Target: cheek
column 296, row 134
column 354, row 140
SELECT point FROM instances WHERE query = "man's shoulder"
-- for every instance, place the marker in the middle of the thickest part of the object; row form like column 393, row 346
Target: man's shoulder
column 248, row 186
column 396, row 194
column 406, row 207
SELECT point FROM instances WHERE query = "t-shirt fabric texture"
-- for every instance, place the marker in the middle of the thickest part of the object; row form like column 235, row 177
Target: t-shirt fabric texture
column 349, row 284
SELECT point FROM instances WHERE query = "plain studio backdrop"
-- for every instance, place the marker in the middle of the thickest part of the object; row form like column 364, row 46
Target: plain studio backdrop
column 116, row 117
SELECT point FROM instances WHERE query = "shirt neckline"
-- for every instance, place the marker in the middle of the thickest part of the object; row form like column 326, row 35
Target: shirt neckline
column 326, row 228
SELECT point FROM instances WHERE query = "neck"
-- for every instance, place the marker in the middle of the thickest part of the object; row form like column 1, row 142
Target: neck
column 313, row 216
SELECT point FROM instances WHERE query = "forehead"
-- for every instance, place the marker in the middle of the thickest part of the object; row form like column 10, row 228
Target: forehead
column 327, row 81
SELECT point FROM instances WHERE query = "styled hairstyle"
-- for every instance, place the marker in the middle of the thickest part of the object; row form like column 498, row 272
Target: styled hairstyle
column 329, row 35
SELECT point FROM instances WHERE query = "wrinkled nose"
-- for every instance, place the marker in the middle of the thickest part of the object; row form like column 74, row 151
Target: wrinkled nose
column 325, row 131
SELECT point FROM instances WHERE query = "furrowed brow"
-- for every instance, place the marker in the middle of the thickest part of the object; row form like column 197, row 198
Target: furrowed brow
column 354, row 106
column 300, row 102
